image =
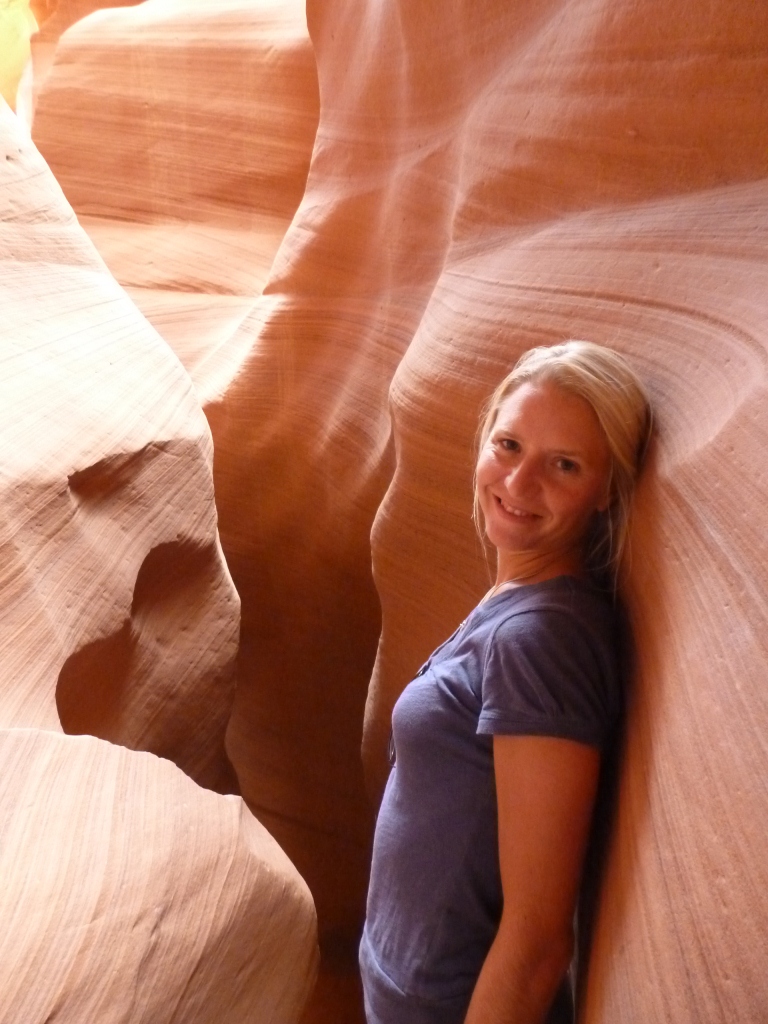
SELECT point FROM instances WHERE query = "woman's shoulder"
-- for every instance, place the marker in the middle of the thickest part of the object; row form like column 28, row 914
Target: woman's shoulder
column 561, row 597
column 564, row 614
column 553, row 657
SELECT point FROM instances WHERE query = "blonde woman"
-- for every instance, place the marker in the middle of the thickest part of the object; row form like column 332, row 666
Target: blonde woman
column 497, row 742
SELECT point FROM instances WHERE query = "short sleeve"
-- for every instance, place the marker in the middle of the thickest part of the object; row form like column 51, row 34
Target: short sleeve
column 549, row 672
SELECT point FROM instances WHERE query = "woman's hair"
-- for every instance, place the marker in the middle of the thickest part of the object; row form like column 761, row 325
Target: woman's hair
column 605, row 380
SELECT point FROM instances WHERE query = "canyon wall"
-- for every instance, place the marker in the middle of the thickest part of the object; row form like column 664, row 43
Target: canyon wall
column 484, row 177
column 132, row 890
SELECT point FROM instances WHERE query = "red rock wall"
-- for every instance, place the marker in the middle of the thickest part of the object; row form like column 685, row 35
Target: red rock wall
column 200, row 109
column 486, row 177
column 129, row 891
column 530, row 174
column 55, row 16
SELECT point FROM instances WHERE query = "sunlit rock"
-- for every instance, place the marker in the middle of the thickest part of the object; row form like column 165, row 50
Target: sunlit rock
column 128, row 890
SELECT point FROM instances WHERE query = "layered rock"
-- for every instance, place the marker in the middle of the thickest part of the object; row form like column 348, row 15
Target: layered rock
column 487, row 177
column 129, row 893
column 206, row 115
column 190, row 225
column 127, row 889
column 207, row 108
column 113, row 562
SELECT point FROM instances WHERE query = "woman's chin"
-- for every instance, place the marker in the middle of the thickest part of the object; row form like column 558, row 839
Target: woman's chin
column 515, row 539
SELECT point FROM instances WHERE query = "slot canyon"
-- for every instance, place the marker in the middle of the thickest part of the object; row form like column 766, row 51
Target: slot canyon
column 262, row 263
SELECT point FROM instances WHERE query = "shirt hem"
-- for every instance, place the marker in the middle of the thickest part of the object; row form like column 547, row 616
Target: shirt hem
column 526, row 725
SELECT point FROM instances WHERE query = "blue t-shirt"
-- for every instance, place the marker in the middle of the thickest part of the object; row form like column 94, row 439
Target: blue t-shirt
column 540, row 659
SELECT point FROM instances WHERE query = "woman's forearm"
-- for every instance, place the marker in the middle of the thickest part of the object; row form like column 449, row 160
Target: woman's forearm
column 515, row 988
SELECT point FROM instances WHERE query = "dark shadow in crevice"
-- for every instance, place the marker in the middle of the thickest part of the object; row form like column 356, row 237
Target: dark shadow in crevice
column 129, row 689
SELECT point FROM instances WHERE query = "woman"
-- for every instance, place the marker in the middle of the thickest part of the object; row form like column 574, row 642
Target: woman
column 497, row 742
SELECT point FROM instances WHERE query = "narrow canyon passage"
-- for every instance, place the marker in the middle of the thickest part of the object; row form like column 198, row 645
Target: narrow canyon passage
column 318, row 238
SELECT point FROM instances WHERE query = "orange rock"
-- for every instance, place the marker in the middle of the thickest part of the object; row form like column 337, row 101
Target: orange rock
column 127, row 889
column 112, row 556
column 485, row 177
column 55, row 16
column 211, row 113
column 484, row 180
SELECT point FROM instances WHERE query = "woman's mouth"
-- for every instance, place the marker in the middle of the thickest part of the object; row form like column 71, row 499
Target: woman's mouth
column 514, row 510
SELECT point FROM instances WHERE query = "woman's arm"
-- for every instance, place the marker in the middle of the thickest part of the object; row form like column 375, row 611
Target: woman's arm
column 545, row 791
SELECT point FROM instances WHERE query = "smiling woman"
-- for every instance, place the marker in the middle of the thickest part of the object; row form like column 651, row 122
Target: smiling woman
column 542, row 475
column 497, row 743
column 578, row 391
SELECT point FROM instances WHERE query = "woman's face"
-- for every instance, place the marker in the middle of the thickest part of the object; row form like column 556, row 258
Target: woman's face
column 543, row 472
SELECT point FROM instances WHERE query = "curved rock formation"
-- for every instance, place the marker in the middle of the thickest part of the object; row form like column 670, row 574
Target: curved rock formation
column 200, row 149
column 210, row 110
column 189, row 220
column 128, row 891
column 112, row 557
column 571, row 174
column 486, row 177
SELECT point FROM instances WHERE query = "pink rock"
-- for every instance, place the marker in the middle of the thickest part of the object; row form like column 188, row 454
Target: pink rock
column 485, row 177
column 128, row 890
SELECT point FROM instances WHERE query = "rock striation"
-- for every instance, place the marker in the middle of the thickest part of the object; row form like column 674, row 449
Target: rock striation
column 112, row 557
column 485, row 177
column 210, row 110
column 129, row 893
column 128, row 890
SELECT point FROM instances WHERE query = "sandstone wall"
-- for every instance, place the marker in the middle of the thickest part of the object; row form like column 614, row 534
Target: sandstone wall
column 129, row 892
column 206, row 116
column 486, row 177
column 55, row 16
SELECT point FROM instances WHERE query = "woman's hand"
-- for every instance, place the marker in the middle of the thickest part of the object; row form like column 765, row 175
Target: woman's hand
column 545, row 791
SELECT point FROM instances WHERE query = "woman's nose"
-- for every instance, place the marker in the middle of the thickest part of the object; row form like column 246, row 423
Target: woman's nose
column 523, row 477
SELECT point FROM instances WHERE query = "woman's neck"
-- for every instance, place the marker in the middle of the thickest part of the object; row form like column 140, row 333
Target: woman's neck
column 532, row 567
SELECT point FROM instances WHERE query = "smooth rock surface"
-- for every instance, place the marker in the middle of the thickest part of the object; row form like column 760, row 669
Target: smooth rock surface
column 200, row 147
column 190, row 225
column 114, row 584
column 487, row 177
column 129, row 892
column 484, row 180
column 211, row 110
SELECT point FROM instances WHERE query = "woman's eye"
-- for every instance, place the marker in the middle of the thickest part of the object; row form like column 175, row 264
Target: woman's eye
column 567, row 465
column 509, row 444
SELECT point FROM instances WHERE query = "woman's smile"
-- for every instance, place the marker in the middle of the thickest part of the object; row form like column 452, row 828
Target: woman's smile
column 515, row 510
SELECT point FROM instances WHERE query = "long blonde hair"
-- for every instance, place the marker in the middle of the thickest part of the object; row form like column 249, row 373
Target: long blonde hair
column 605, row 380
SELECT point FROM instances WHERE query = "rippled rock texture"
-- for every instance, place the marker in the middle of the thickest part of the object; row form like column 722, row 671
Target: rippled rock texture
column 485, row 177
column 129, row 891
